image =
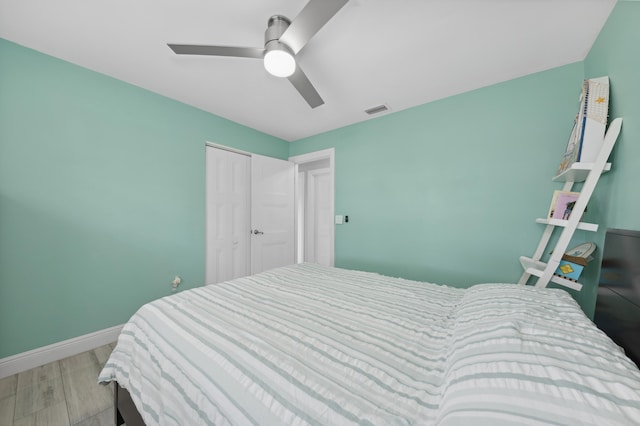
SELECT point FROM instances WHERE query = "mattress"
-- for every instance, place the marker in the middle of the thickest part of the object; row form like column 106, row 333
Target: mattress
column 308, row 344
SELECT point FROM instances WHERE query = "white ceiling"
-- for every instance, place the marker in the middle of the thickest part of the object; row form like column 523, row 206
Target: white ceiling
column 401, row 53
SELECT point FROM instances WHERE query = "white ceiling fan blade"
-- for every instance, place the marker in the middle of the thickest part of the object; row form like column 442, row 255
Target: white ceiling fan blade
column 305, row 88
column 195, row 49
column 309, row 21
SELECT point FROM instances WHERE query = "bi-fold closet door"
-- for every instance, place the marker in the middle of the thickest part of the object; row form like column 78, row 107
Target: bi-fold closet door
column 249, row 214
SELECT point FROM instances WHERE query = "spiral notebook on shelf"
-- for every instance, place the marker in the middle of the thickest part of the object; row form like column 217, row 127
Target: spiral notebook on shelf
column 589, row 126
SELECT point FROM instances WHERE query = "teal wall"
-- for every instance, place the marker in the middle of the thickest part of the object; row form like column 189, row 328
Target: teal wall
column 101, row 197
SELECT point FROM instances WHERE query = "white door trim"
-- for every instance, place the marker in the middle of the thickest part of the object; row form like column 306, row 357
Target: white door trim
column 299, row 183
column 321, row 155
column 226, row 148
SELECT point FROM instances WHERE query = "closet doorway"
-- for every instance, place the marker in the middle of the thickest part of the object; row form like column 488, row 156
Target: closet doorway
column 315, row 207
column 250, row 222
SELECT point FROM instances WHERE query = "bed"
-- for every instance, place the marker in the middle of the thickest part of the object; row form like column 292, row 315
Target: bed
column 308, row 344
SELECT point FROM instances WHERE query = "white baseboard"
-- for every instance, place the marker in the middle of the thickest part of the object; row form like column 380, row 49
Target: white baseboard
column 46, row 354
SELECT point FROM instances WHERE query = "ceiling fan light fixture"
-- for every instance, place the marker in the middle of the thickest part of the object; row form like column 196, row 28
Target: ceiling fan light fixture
column 278, row 60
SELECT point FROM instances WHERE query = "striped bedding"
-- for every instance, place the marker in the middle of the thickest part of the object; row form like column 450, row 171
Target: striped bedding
column 308, row 344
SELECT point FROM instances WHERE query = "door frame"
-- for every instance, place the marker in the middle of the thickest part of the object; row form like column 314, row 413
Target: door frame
column 310, row 157
column 227, row 148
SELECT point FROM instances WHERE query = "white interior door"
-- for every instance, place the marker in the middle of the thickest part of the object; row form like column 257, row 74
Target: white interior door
column 272, row 213
column 227, row 215
column 316, row 183
column 319, row 220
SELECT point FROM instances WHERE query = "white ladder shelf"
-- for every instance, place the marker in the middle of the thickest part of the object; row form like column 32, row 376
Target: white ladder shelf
column 589, row 173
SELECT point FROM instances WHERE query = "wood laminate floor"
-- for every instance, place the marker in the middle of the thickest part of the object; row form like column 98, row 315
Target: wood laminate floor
column 62, row 393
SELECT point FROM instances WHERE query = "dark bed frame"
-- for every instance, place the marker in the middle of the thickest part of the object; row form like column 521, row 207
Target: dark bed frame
column 124, row 410
column 617, row 310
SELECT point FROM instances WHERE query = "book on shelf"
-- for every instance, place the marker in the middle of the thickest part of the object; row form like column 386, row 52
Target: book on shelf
column 589, row 125
column 570, row 155
column 562, row 204
column 574, row 261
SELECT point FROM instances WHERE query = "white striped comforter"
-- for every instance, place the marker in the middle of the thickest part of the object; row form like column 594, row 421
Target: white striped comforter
column 308, row 344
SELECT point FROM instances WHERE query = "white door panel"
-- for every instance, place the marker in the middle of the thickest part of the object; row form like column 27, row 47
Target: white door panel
column 227, row 215
column 245, row 193
column 319, row 217
column 272, row 213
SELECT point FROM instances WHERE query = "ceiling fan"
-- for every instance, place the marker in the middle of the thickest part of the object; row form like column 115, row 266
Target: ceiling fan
column 283, row 39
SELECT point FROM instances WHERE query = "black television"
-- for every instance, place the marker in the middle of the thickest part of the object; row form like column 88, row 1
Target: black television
column 618, row 303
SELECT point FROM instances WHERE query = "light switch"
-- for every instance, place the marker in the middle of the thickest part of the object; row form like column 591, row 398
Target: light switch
column 339, row 219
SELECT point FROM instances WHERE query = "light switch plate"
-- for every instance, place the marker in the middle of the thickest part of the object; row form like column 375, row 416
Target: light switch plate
column 339, row 219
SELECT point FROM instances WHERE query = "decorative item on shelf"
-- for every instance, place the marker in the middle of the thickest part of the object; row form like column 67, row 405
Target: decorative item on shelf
column 574, row 261
column 570, row 155
column 589, row 126
column 562, row 204
column 584, row 250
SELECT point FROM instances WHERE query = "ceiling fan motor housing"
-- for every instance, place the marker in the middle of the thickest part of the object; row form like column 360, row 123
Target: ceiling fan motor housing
column 276, row 26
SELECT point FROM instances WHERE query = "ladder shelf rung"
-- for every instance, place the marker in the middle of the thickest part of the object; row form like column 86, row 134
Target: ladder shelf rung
column 584, row 226
column 536, row 268
column 567, row 283
column 532, row 267
column 578, row 172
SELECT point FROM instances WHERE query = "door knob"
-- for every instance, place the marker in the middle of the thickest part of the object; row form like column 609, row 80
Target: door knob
column 256, row 232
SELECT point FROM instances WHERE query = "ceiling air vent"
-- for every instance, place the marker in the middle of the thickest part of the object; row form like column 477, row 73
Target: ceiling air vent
column 377, row 109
